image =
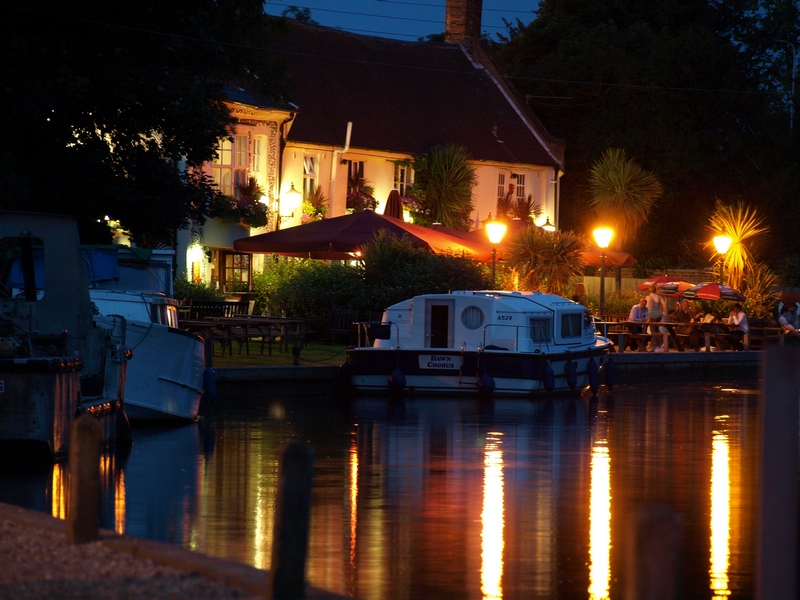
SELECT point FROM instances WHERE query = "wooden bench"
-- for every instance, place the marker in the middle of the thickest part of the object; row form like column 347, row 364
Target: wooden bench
column 200, row 309
column 341, row 324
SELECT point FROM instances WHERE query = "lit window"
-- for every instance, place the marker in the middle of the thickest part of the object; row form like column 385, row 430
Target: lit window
column 501, row 185
column 403, row 178
column 520, row 185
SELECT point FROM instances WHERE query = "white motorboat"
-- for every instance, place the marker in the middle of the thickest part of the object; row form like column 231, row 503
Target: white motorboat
column 480, row 341
column 166, row 375
column 57, row 360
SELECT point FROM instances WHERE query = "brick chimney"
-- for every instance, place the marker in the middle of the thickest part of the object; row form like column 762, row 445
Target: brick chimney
column 463, row 21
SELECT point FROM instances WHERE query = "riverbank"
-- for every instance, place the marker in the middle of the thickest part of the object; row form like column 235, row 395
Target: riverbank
column 38, row 562
column 630, row 367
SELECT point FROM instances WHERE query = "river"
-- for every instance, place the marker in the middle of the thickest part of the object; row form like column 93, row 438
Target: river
column 451, row 498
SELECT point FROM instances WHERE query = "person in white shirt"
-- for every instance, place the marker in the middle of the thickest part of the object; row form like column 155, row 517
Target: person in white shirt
column 738, row 318
column 639, row 311
column 783, row 322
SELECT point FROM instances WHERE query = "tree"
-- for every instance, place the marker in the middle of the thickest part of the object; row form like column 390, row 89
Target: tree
column 104, row 104
column 687, row 87
column 546, row 260
column 741, row 224
column 623, row 194
column 443, row 184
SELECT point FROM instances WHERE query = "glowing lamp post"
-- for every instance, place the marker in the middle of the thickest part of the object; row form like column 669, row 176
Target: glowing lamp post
column 722, row 243
column 495, row 230
column 603, row 235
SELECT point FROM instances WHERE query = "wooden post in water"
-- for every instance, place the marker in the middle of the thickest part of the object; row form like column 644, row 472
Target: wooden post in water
column 776, row 569
column 654, row 554
column 290, row 529
column 83, row 515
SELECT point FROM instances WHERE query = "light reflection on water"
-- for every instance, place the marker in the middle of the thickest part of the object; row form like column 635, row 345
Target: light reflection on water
column 451, row 498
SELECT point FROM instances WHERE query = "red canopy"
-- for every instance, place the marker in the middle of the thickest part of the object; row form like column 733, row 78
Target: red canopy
column 341, row 237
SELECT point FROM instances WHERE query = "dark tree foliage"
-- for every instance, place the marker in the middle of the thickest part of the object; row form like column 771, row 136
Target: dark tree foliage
column 105, row 103
column 694, row 90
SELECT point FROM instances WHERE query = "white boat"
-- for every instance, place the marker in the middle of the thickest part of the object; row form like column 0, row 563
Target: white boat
column 166, row 374
column 57, row 360
column 480, row 341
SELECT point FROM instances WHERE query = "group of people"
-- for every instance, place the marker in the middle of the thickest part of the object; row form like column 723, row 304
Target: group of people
column 789, row 319
column 652, row 309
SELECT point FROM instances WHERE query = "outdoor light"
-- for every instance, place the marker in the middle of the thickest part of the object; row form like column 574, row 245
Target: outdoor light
column 722, row 243
column 290, row 199
column 548, row 226
column 603, row 235
column 495, row 230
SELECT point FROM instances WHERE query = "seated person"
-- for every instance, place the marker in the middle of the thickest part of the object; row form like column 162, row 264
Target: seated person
column 794, row 316
column 638, row 314
column 684, row 315
column 783, row 322
column 639, row 311
column 738, row 318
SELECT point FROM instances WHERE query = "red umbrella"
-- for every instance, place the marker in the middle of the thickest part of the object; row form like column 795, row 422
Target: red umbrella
column 713, row 291
column 341, row 237
column 667, row 285
column 614, row 258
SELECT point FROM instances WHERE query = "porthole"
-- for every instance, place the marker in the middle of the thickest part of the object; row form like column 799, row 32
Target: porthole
column 472, row 317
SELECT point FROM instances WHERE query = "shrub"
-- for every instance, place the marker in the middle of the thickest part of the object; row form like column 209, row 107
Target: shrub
column 185, row 290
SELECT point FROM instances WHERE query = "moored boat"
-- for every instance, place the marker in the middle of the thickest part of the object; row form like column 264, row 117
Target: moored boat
column 166, row 375
column 57, row 360
column 516, row 343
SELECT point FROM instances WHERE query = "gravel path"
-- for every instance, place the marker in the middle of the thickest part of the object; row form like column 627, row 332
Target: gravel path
column 37, row 562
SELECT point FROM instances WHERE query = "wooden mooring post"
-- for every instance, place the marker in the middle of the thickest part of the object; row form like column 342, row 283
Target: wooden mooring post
column 83, row 514
column 776, row 572
column 292, row 516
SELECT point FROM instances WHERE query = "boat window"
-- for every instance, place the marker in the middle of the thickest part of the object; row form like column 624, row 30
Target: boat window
column 571, row 325
column 21, row 268
column 472, row 317
column 540, row 330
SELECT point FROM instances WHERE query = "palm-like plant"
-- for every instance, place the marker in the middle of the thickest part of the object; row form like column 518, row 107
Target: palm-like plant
column 623, row 193
column 444, row 182
column 546, row 259
column 740, row 224
column 761, row 288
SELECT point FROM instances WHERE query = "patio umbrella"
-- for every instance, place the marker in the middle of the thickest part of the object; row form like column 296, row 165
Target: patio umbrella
column 666, row 285
column 713, row 291
column 614, row 258
column 394, row 207
column 340, row 238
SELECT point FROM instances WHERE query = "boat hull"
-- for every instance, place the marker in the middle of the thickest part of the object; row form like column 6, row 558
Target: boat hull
column 165, row 376
column 435, row 370
column 39, row 398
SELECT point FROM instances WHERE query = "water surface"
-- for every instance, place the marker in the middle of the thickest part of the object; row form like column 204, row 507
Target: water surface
column 432, row 498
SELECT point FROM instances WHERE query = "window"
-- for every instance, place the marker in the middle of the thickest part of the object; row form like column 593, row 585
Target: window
column 258, row 154
column 572, row 325
column 236, row 272
column 501, row 185
column 225, row 174
column 309, row 175
column 472, row 317
column 403, row 178
column 540, row 330
column 520, row 185
column 355, row 176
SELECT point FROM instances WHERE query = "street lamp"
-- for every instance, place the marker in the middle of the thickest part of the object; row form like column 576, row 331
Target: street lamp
column 603, row 235
column 495, row 230
column 722, row 243
column 794, row 69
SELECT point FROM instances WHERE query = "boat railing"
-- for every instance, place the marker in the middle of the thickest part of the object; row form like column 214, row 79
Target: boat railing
column 369, row 331
column 538, row 334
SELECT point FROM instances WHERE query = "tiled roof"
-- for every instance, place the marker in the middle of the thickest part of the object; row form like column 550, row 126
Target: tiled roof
column 400, row 96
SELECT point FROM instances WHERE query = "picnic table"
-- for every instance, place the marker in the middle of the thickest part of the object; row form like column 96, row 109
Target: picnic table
column 684, row 336
column 246, row 328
